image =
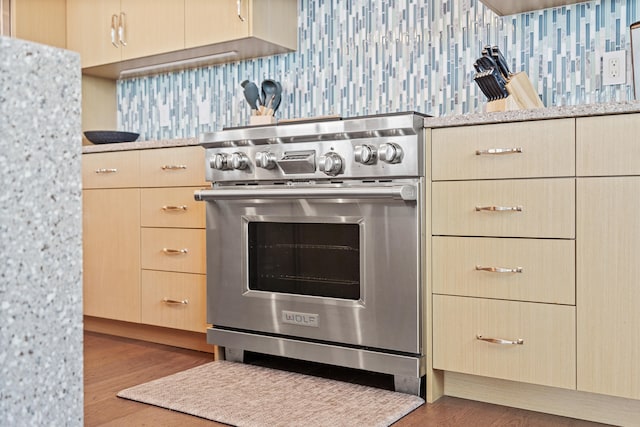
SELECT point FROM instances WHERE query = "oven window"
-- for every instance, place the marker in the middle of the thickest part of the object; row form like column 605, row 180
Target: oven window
column 305, row 259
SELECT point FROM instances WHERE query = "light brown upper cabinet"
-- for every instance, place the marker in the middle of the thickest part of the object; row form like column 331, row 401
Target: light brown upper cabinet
column 208, row 22
column 117, row 35
column 41, row 21
column 107, row 31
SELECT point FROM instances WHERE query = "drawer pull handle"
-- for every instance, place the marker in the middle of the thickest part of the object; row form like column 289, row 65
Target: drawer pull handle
column 171, row 208
column 499, row 208
column 169, row 251
column 107, row 170
column 175, row 301
column 519, row 341
column 499, row 269
column 499, row 151
column 173, row 167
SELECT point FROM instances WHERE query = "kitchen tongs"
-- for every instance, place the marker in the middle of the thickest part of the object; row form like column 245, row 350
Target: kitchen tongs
column 492, row 73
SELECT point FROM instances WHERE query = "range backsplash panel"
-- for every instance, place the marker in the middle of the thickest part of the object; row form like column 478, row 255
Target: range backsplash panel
column 363, row 57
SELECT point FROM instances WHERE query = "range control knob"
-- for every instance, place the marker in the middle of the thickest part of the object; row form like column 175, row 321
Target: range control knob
column 390, row 153
column 365, row 154
column 331, row 163
column 220, row 161
column 265, row 160
column 239, row 161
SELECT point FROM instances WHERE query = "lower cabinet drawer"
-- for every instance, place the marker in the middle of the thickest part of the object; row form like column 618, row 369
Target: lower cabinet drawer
column 173, row 249
column 174, row 300
column 546, row 356
column 535, row 270
column 505, row 208
column 172, row 167
column 171, row 207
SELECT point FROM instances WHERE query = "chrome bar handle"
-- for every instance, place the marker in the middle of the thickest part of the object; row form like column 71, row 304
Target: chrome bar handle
column 169, row 251
column 239, row 3
column 499, row 208
column 173, row 167
column 171, row 208
column 499, row 151
column 106, row 170
column 499, row 269
column 402, row 192
column 114, row 24
column 121, row 27
column 518, row 341
column 175, row 301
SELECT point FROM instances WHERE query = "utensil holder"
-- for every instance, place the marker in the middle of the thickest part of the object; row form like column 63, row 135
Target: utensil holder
column 522, row 95
column 261, row 120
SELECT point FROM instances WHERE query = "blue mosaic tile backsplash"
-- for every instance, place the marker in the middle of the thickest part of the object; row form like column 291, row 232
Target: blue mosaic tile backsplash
column 359, row 57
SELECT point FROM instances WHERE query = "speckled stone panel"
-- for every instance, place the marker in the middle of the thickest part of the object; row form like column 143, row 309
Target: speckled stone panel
column 40, row 236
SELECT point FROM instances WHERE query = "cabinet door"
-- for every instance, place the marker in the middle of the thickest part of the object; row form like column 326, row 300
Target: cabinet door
column 40, row 21
column 111, row 253
column 536, row 270
column 174, row 300
column 608, row 145
column 173, row 167
column 521, row 208
column 545, row 356
column 544, row 148
column 152, row 27
column 119, row 169
column 210, row 22
column 89, row 30
column 174, row 249
column 608, row 290
column 171, row 207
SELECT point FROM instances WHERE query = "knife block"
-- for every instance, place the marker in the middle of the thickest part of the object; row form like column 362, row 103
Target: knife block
column 261, row 120
column 522, row 95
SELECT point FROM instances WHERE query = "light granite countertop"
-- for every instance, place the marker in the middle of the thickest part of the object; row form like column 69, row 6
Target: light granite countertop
column 139, row 145
column 41, row 327
column 585, row 110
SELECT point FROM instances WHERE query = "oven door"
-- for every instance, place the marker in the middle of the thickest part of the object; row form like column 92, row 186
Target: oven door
column 330, row 263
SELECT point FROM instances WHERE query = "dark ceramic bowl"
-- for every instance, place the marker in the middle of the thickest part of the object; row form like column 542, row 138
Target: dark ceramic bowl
column 110, row 136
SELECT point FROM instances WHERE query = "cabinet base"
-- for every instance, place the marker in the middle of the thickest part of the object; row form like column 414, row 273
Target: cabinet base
column 568, row 403
column 174, row 337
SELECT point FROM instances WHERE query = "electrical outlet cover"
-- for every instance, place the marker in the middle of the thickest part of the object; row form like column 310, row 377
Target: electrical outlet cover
column 614, row 67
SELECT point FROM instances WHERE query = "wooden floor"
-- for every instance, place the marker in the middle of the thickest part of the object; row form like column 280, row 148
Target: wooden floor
column 112, row 364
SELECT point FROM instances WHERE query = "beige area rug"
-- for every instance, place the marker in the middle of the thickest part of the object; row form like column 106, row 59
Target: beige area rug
column 247, row 395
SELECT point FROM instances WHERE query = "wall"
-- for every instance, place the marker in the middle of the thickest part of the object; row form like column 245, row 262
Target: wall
column 98, row 105
column 363, row 57
column 41, row 236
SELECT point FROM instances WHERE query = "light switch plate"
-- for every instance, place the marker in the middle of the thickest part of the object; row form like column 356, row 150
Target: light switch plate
column 614, row 68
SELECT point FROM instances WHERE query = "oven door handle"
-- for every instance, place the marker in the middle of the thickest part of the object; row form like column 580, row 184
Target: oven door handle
column 401, row 192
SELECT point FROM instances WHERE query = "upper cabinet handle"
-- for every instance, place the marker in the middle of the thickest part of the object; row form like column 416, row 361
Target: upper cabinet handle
column 114, row 24
column 121, row 28
column 499, row 151
column 239, row 2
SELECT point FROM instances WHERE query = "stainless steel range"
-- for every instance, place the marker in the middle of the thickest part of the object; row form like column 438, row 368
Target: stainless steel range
column 314, row 243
